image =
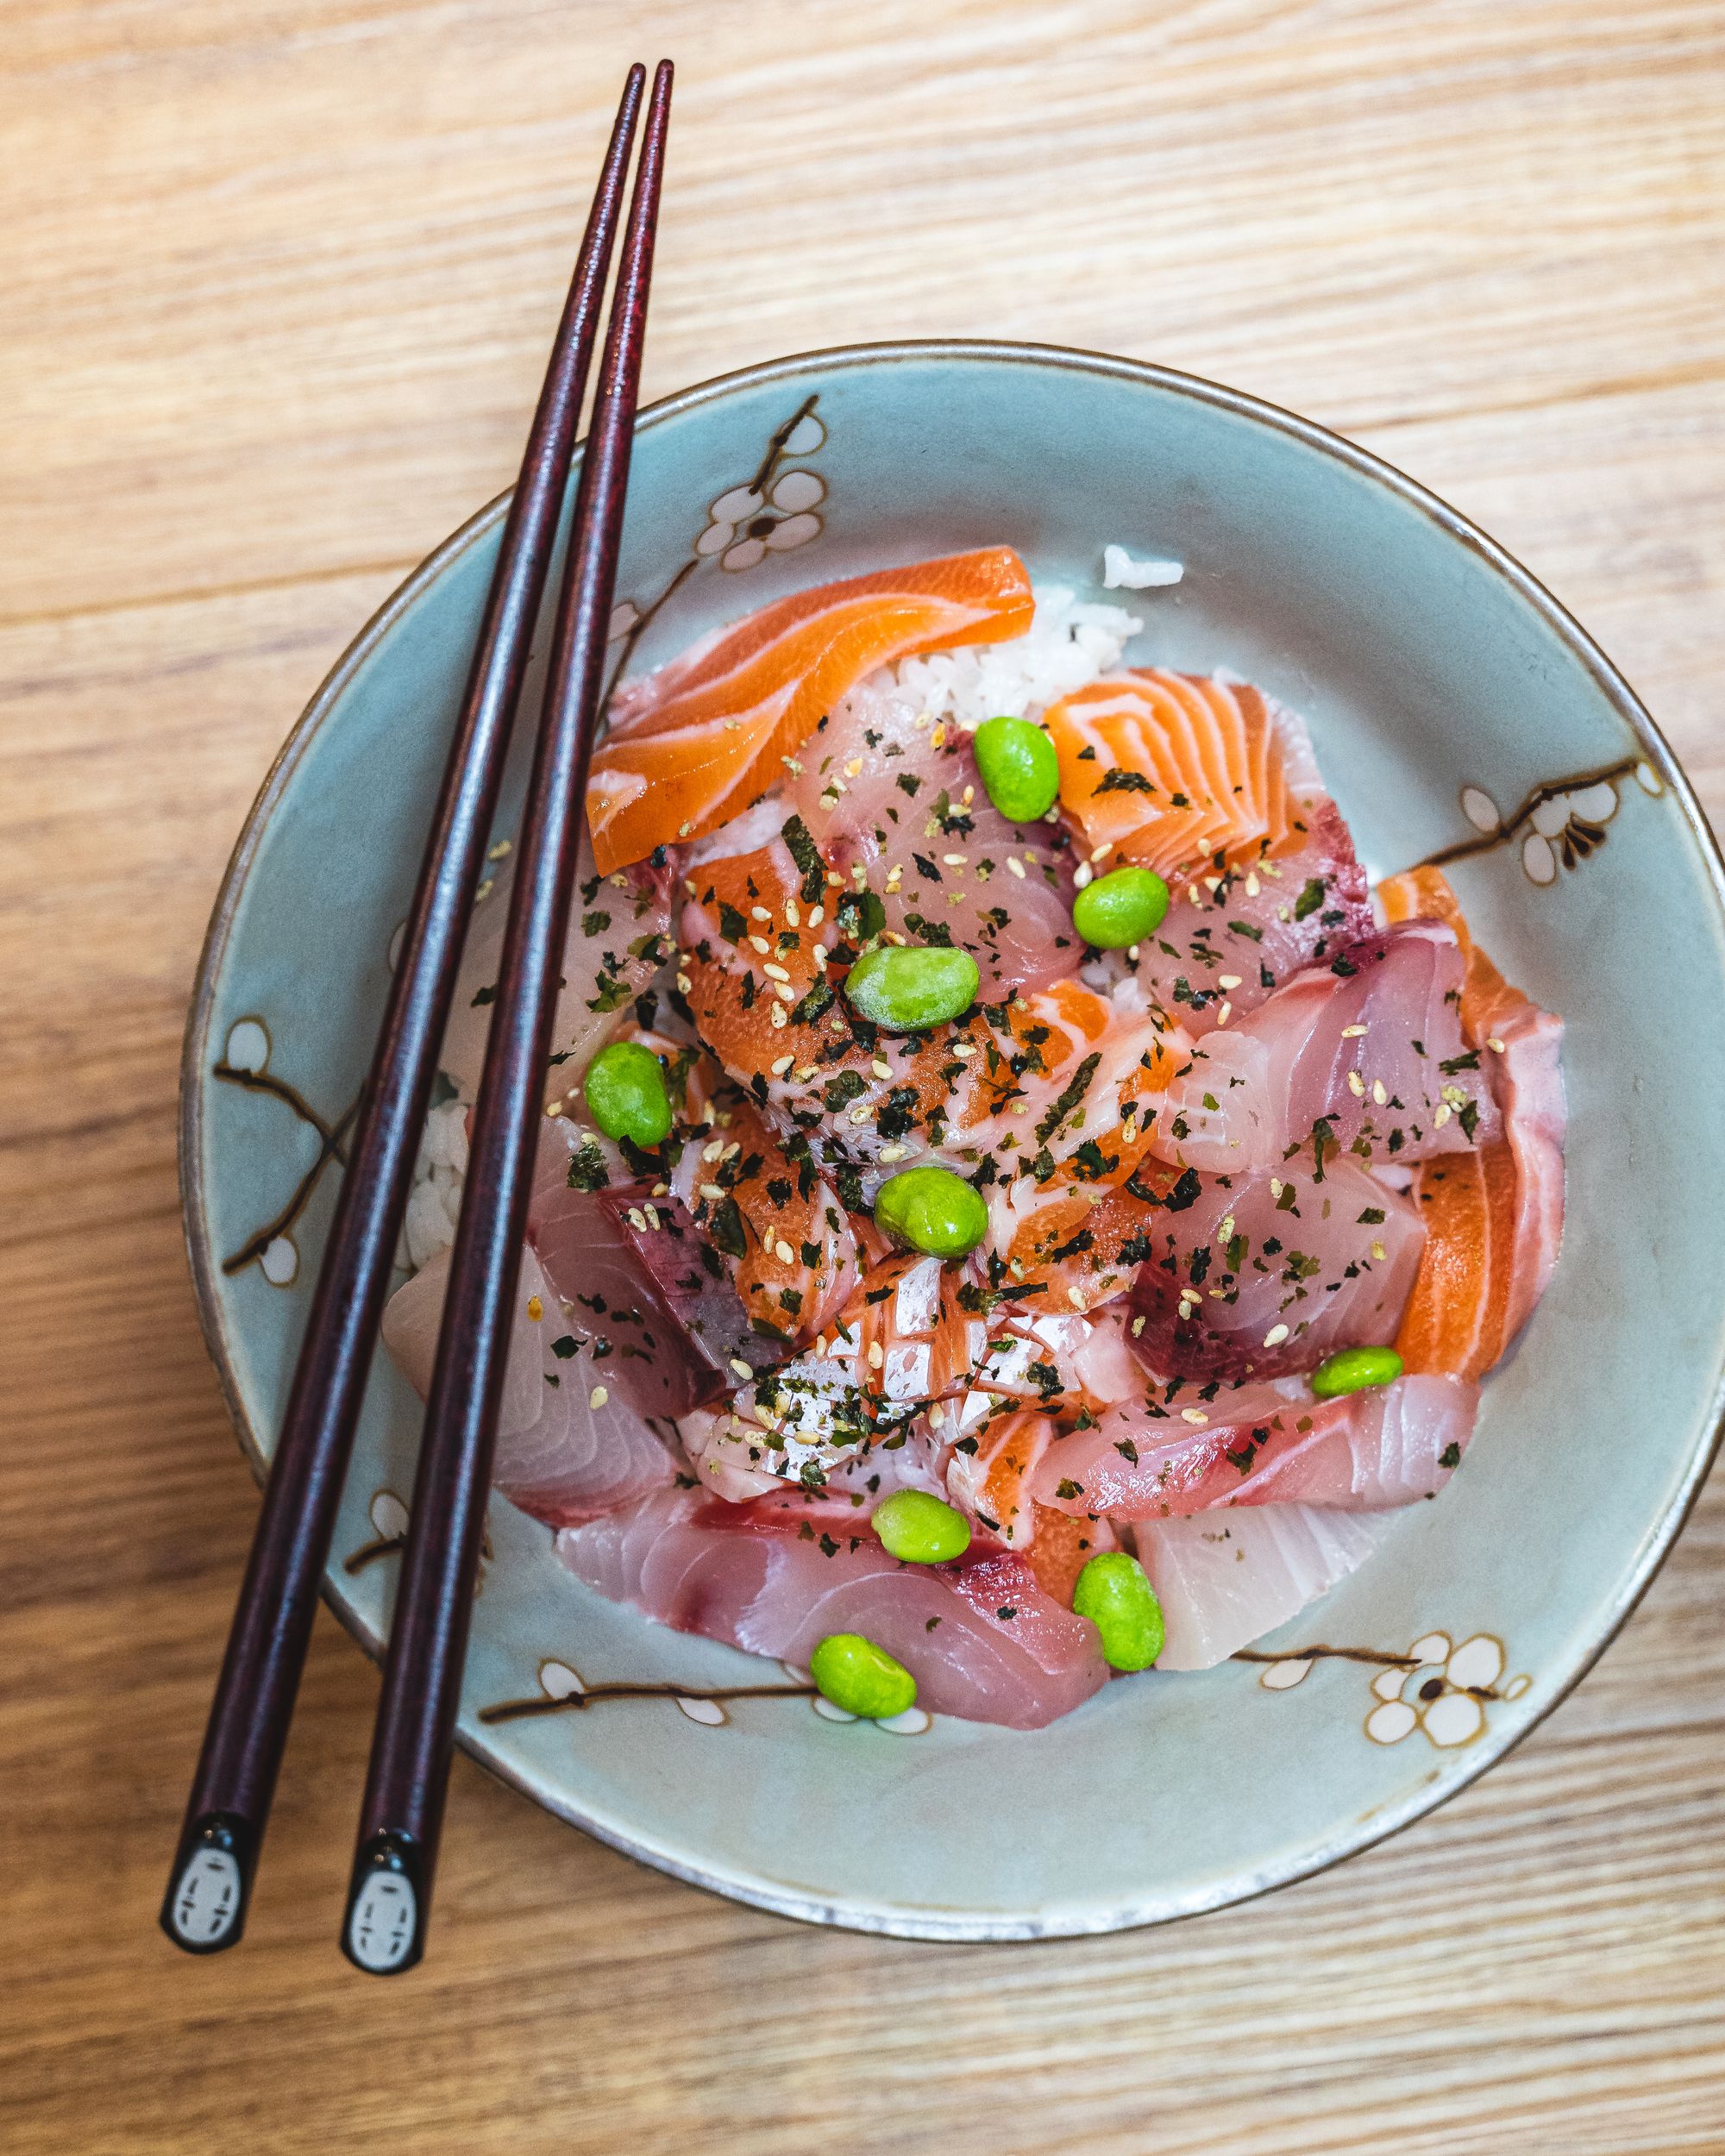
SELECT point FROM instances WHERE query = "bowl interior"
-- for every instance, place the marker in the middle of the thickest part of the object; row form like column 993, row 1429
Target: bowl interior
column 1452, row 703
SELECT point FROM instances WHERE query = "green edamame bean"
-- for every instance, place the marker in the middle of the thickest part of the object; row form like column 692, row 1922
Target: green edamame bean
column 1114, row 1593
column 933, row 1209
column 625, row 1094
column 862, row 1678
column 1120, row 908
column 920, row 1529
column 908, row 986
column 1353, row 1369
column 1018, row 768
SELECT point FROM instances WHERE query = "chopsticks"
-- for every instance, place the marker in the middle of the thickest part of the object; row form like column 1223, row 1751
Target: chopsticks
column 395, row 1858
column 209, row 1886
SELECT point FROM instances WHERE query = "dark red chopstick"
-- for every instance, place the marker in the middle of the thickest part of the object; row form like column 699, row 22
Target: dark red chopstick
column 209, row 1887
column 395, row 1861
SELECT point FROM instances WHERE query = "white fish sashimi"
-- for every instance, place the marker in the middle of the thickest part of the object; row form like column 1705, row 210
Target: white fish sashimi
column 566, row 1447
column 1225, row 1578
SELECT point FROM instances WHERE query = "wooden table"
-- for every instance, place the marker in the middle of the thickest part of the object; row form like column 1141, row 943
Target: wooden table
column 279, row 278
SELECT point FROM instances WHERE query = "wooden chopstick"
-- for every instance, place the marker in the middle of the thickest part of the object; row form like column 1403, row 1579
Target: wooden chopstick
column 395, row 1859
column 209, row 1887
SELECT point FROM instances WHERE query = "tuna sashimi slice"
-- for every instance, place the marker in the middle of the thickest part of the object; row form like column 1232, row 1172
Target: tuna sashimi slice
column 699, row 742
column 1365, row 1054
column 569, row 1444
column 984, row 1641
column 1225, row 1579
column 1272, row 1271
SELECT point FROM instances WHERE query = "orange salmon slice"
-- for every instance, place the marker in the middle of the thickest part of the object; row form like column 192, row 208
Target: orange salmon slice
column 1171, row 768
column 696, row 743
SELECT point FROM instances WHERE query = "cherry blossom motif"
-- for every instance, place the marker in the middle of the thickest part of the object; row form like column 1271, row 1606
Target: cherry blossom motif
column 1558, row 825
column 1445, row 1693
column 746, row 523
column 248, row 1046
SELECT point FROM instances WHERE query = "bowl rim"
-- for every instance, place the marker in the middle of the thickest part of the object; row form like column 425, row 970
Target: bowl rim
column 744, row 1887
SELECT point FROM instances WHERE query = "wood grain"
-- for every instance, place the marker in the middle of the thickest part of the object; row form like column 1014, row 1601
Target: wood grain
column 279, row 282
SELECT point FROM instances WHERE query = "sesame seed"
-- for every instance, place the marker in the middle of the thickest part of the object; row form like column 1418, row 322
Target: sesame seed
column 732, row 1149
column 880, row 1068
column 853, row 767
column 859, row 1115
column 536, row 1309
column 1495, row 1045
column 1223, row 1013
column 776, row 972
column 1252, row 886
column 499, row 851
column 936, row 1414
column 712, row 1191
column 890, row 1153
column 816, row 915
column 1275, row 1186
column 784, row 990
column 1194, row 1415
column 713, row 1151
column 778, row 1016
column 1101, row 852
column 1017, row 867
column 877, row 1355
column 1227, row 981
column 1356, row 1085
column 1377, row 1091
column 963, row 1049
column 1275, row 1335
column 684, row 984
column 683, row 830
column 785, row 1253
column 1192, row 896
column 598, row 1396
column 1137, row 1328
column 1081, row 875
column 1075, row 1297
column 792, row 914
column 741, row 1367
column 955, row 861
column 1226, row 1229
column 781, row 1064
column 637, row 1219
column 1442, row 1115
column 1354, row 1033
column 760, row 944
column 938, row 738
column 1212, row 884
column 1379, row 1252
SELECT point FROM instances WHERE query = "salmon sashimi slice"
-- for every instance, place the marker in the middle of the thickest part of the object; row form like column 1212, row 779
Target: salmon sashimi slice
column 1262, row 1445
column 1060, row 1546
column 1365, row 1054
column 984, row 1641
column 696, row 743
column 990, row 1471
column 1494, row 1222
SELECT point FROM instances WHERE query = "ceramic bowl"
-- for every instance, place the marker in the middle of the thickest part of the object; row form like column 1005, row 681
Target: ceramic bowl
column 1459, row 714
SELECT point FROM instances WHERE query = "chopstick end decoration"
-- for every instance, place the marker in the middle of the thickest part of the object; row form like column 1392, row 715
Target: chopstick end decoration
column 385, row 1929
column 204, row 1907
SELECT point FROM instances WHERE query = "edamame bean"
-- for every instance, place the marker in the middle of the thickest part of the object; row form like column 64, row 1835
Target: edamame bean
column 908, row 986
column 1353, row 1369
column 1114, row 1593
column 918, row 1529
column 933, row 1209
column 625, row 1094
column 1120, row 908
column 1018, row 768
column 862, row 1678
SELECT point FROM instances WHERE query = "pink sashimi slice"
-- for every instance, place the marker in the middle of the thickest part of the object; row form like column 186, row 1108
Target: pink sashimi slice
column 618, row 937
column 1225, row 1578
column 1264, row 1444
column 569, row 1444
column 983, row 1640
column 1271, row 1271
column 914, row 813
column 1366, row 1052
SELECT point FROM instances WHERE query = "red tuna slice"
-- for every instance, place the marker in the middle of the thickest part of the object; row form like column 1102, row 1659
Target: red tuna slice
column 619, row 935
column 1225, row 1579
column 1272, row 1271
column 888, row 790
column 984, row 1641
column 569, row 1444
column 1365, row 1054
column 641, row 1290
column 1263, row 1445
